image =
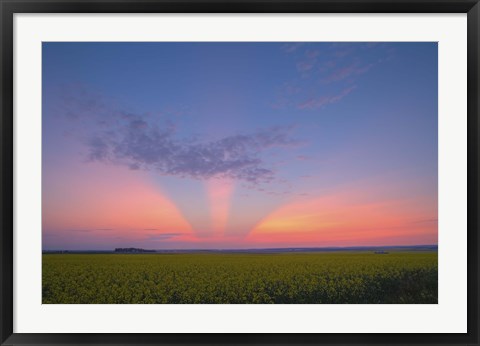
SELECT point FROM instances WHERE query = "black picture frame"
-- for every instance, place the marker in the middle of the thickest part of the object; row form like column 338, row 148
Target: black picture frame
column 10, row 7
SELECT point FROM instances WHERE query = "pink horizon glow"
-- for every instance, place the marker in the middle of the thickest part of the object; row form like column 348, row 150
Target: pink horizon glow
column 102, row 212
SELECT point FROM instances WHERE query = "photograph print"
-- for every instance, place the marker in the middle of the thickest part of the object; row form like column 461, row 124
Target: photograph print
column 239, row 173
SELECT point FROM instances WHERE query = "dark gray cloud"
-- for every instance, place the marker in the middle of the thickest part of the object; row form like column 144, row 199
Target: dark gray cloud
column 154, row 143
column 139, row 145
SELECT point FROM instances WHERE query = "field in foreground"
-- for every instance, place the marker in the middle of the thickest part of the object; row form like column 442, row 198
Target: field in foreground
column 298, row 278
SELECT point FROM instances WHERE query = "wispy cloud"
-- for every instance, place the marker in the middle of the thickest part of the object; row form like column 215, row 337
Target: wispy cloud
column 303, row 157
column 306, row 65
column 312, row 53
column 163, row 236
column 323, row 100
column 89, row 230
column 345, row 72
column 322, row 68
column 308, row 61
column 291, row 46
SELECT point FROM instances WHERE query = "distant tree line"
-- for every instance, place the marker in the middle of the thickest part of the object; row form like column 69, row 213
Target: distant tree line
column 131, row 250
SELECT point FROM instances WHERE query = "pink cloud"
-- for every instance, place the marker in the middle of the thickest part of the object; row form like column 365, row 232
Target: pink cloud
column 312, row 53
column 304, row 66
column 346, row 72
column 303, row 157
column 321, row 101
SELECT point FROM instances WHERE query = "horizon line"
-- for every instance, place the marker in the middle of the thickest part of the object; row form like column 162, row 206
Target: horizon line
column 257, row 249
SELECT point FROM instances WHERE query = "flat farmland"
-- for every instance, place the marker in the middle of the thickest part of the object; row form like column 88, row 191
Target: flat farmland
column 241, row 278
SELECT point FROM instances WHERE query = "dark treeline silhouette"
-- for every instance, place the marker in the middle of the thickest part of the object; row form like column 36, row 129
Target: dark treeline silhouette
column 132, row 250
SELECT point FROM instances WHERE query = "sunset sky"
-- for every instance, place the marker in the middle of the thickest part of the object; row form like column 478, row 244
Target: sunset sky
column 238, row 145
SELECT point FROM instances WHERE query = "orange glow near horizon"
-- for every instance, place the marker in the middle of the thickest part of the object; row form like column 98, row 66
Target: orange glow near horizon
column 344, row 219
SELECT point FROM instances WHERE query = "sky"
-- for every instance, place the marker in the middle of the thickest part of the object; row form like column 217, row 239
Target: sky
column 225, row 145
